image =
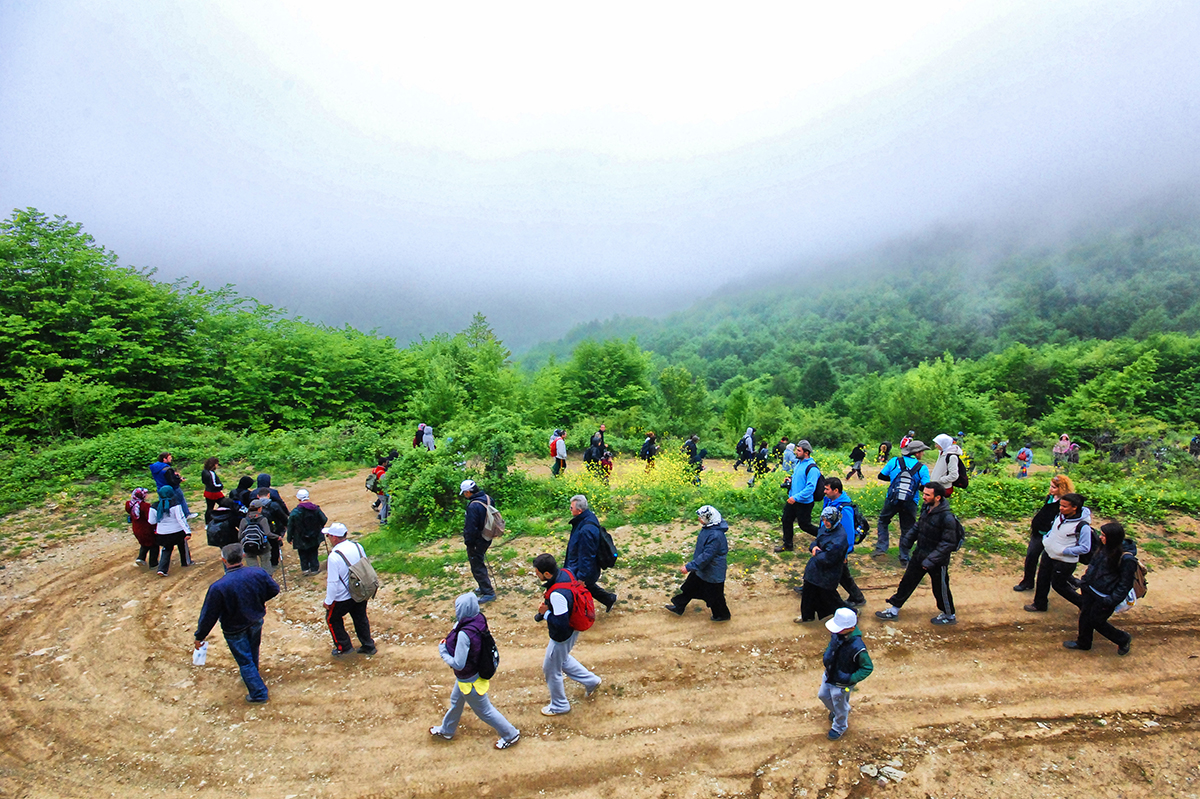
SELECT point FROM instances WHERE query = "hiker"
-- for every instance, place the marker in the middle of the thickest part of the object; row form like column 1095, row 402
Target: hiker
column 705, row 572
column 936, row 536
column 846, row 665
column 695, row 457
column 835, row 497
column 137, row 509
column 1069, row 537
column 1024, row 460
column 304, row 526
column 214, row 491
column 378, row 471
column 598, row 439
column 948, row 469
column 427, row 438
column 463, row 651
column 591, row 458
column 906, row 440
column 243, row 495
column 256, row 536
column 563, row 593
column 759, row 464
column 583, row 550
column 1106, row 583
column 277, row 516
column 558, row 449
column 239, row 601
column 606, row 466
column 780, row 448
column 419, row 437
column 788, row 463
column 905, row 474
column 1041, row 523
column 818, row 596
column 342, row 555
column 477, row 546
column 745, row 448
column 164, row 474
column 172, row 528
column 857, row 456
column 1061, row 450
column 885, row 449
column 649, row 450
column 799, row 504
column 222, row 529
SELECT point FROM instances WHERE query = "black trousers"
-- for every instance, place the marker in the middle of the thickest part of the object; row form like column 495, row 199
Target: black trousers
column 337, row 626
column 939, row 581
column 908, row 517
column 817, row 602
column 1093, row 616
column 1033, row 554
column 476, row 556
column 713, row 595
column 1053, row 573
column 599, row 594
column 797, row 512
column 853, row 592
column 310, row 560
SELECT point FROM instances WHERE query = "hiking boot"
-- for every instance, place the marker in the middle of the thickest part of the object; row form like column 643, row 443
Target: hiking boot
column 781, row 548
column 486, row 598
column 721, row 618
column 549, row 710
column 436, row 732
column 366, row 650
column 608, row 606
column 833, row 736
column 857, row 603
column 879, row 553
column 889, row 614
column 673, row 609
column 943, row 618
column 1075, row 645
column 505, row 743
column 254, row 701
column 1123, row 650
column 1034, row 609
column 337, row 653
column 802, row 620
column 1022, row 587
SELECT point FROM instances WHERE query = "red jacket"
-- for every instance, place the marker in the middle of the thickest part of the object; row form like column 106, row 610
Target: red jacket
column 143, row 530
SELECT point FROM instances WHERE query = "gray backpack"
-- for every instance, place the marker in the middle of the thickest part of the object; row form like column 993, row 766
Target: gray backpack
column 362, row 581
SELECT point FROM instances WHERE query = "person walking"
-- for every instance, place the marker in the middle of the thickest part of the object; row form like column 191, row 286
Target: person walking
column 948, row 469
column 1024, row 460
column 342, row 555
column 256, row 534
column 171, row 528
column 463, row 651
column 788, row 462
column 138, row 511
column 846, row 665
column 243, row 495
column 801, row 495
column 1106, row 583
column 936, row 537
column 857, row 456
column 214, row 491
column 837, row 498
column 905, row 474
column 1041, row 523
column 1069, row 538
column 745, row 448
column 583, row 549
column 558, row 602
column 304, row 528
column 706, row 570
column 477, row 546
column 238, row 600
column 818, row 596
column 164, row 474
column 649, row 450
column 1061, row 450
column 558, row 447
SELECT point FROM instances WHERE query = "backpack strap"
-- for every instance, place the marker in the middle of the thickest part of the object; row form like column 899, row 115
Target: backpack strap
column 361, row 553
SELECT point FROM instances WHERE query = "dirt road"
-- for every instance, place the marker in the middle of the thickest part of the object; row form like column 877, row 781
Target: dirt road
column 100, row 696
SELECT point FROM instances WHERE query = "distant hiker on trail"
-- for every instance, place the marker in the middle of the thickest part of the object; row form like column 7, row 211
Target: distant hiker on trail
column 1024, row 460
column 137, row 509
column 649, row 450
column 419, row 438
column 936, row 534
column 836, row 498
column 592, row 457
column 745, row 448
column 277, row 515
column 885, row 449
column 338, row 602
column 857, row 456
column 172, row 528
column 243, row 495
column 789, row 459
column 1193, row 447
column 214, row 492
column 222, row 530
column 779, row 448
column 846, row 665
column 427, row 438
column 558, row 450
column 598, row 439
column 477, row 546
column 1061, row 450
column 695, row 457
column 238, row 600
column 304, row 526
column 375, row 484
column 904, row 442
column 1069, row 538
column 706, row 570
column 948, row 469
column 164, row 474
column 565, row 606
column 464, row 651
column 1106, row 583
column 802, row 494
column 818, row 596
column 606, row 466
column 759, row 464
column 905, row 475
column 583, row 551
column 1043, row 520
column 256, row 535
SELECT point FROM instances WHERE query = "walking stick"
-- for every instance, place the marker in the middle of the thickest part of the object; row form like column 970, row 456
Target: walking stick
column 282, row 567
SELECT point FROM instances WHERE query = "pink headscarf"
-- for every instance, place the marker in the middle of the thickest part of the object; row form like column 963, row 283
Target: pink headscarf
column 135, row 502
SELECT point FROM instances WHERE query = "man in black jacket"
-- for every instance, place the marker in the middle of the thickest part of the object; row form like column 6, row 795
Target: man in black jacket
column 936, row 534
column 583, row 549
column 477, row 545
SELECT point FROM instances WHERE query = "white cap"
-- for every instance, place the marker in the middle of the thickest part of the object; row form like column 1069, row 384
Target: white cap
column 466, row 485
column 844, row 619
column 337, row 530
column 302, row 495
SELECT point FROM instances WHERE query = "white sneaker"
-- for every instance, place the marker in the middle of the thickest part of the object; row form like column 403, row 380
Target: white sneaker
column 549, row 710
column 890, row 613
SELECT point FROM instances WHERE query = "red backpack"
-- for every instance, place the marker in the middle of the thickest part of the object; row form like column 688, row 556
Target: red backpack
column 553, row 449
column 583, row 607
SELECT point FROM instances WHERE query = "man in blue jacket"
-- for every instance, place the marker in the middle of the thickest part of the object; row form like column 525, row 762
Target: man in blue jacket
column 239, row 601
column 906, row 475
column 706, row 570
column 583, row 548
column 799, row 505
column 834, row 497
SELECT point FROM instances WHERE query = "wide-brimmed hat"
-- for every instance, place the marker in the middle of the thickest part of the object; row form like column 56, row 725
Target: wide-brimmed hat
column 913, row 447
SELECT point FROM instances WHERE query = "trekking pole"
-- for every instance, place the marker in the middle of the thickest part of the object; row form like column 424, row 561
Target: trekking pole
column 282, row 568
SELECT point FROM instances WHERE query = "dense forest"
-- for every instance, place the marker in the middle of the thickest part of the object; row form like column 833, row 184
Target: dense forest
column 1098, row 338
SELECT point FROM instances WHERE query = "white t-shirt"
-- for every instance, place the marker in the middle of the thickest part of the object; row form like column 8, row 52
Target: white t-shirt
column 337, row 571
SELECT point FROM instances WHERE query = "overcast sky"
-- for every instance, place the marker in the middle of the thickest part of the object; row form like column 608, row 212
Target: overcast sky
column 403, row 165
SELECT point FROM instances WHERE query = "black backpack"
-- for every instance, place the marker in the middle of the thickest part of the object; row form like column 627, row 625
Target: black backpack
column 1086, row 558
column 960, row 534
column 221, row 530
column 819, row 490
column 963, row 480
column 862, row 528
column 489, row 655
column 607, row 552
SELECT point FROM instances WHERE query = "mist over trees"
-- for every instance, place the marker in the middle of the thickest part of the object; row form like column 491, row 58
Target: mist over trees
column 1099, row 337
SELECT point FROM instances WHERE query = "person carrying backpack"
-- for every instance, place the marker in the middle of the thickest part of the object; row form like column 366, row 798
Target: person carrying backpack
column 304, row 526
column 473, row 538
column 172, row 529
column 649, row 450
column 936, row 534
column 1024, row 461
column 1067, row 543
column 948, row 469
column 343, row 554
column 465, row 650
column 905, row 475
column 846, row 665
column 857, row 456
column 806, row 479
column 583, row 550
column 564, row 607
column 256, row 536
column 745, row 448
column 1105, row 585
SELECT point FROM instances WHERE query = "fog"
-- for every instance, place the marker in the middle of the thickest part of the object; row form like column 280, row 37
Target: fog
column 401, row 167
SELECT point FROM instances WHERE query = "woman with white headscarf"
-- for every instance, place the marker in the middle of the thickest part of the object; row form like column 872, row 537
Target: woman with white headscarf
column 706, row 570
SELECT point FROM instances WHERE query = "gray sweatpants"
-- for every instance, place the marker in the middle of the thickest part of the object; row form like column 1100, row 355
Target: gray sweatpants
column 559, row 662
column 837, row 701
column 483, row 708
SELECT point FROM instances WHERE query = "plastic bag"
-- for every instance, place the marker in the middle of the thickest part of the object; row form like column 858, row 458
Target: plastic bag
column 199, row 656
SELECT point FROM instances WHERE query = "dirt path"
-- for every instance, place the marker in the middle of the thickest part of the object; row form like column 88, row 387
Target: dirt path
column 100, row 697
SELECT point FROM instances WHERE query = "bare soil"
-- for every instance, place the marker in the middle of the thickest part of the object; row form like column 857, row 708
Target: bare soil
column 101, row 698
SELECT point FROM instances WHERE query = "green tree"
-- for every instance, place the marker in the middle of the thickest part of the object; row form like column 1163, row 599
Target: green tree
column 606, row 376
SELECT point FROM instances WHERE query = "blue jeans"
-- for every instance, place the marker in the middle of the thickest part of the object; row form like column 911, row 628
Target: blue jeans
column 244, row 647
